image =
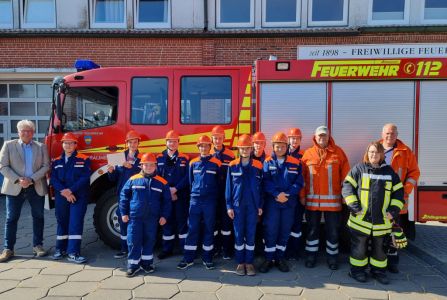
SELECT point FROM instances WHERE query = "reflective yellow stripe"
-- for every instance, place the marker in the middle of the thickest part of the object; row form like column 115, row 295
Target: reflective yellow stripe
column 381, row 232
column 386, row 202
column 388, row 185
column 398, row 186
column 365, row 182
column 359, row 221
column 351, row 181
column 377, row 263
column 358, row 262
column 351, row 199
column 359, row 228
column 364, row 195
column 398, row 234
column 397, row 203
column 382, row 226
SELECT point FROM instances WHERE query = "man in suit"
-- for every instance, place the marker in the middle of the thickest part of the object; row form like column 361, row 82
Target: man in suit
column 24, row 164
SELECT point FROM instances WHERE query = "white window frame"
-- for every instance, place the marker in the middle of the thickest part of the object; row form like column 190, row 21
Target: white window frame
column 23, row 8
column 343, row 22
column 405, row 20
column 430, row 21
column 151, row 24
column 250, row 24
column 281, row 24
column 10, row 25
column 94, row 24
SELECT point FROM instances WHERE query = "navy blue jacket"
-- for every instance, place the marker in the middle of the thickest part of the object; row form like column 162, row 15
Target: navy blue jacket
column 143, row 196
column 233, row 192
column 260, row 158
column 177, row 174
column 122, row 174
column 204, row 175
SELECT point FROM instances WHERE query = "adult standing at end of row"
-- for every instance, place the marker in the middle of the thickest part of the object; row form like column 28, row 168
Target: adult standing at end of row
column 24, row 164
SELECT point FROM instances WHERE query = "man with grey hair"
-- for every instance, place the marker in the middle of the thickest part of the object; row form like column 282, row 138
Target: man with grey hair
column 24, row 164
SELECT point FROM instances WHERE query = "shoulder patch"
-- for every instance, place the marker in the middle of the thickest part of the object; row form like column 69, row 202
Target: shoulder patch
column 292, row 160
column 161, row 179
column 229, row 153
column 235, row 162
column 216, row 161
column 136, row 176
column 82, row 156
column 257, row 164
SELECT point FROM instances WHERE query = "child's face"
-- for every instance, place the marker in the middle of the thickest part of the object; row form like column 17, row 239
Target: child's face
column 148, row 168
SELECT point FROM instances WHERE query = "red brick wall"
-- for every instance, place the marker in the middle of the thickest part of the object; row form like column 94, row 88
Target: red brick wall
column 61, row 52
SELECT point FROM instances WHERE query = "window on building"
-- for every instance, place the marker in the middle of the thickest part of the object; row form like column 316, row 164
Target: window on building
column 152, row 13
column 5, row 13
column 22, row 90
column 109, row 14
column 328, row 12
column 281, row 13
column 206, row 100
column 435, row 11
column 385, row 11
column 3, row 91
column 89, row 107
column 149, row 100
column 39, row 13
column 235, row 13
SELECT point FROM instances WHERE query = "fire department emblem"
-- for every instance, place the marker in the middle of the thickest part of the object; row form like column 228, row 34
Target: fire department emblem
column 87, row 139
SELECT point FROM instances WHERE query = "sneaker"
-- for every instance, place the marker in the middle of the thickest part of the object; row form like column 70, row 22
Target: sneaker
column 208, row 265
column 359, row 276
column 380, row 277
column 6, row 255
column 58, row 254
column 163, row 255
column 39, row 251
column 266, row 266
column 76, row 258
column 393, row 269
column 183, row 264
column 148, row 269
column 240, row 269
column 250, row 270
column 131, row 272
column 282, row 265
column 121, row 254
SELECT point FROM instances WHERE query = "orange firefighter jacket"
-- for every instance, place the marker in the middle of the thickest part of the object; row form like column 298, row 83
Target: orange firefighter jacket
column 325, row 171
column 404, row 163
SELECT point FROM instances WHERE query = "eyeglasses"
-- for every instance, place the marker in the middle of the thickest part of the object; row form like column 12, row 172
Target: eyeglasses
column 373, row 152
column 69, row 143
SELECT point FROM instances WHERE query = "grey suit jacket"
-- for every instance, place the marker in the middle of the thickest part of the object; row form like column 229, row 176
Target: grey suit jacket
column 12, row 166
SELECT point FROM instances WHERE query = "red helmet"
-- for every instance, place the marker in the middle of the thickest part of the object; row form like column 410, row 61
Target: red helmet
column 132, row 135
column 218, row 130
column 69, row 137
column 172, row 135
column 258, row 137
column 294, row 132
column 204, row 139
column 148, row 158
column 280, row 137
column 244, row 141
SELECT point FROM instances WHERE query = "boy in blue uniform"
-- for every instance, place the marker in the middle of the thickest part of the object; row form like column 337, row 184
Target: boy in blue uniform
column 244, row 203
column 121, row 174
column 145, row 202
column 282, row 183
column 70, row 178
column 174, row 167
column 204, row 172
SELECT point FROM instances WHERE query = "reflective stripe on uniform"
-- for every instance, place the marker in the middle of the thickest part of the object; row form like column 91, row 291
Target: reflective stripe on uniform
column 331, row 252
column 168, row 237
column 282, row 248
column 250, row 248
column 311, row 249
column 124, row 237
column 270, row 249
column 311, row 180
column 210, row 172
column 377, row 263
column 358, row 262
column 133, row 261
column 323, row 197
column 138, row 187
column 351, row 181
column 188, row 247
column 147, row 257
column 155, row 189
column 398, row 186
column 329, row 176
column 412, row 181
column 207, row 248
column 351, row 199
column 62, row 237
column 75, row 237
column 240, row 248
column 182, row 236
column 397, row 203
column 313, row 242
column 223, row 232
column 295, row 234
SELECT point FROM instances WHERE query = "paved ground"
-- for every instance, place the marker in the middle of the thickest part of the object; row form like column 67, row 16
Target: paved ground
column 421, row 276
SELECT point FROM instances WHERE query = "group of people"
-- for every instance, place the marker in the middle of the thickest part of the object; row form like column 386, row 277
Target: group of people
column 222, row 203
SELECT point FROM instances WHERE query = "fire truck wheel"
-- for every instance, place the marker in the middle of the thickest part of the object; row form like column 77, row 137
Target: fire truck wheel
column 105, row 219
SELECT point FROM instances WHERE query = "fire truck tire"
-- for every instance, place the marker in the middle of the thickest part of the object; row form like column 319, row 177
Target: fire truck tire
column 105, row 219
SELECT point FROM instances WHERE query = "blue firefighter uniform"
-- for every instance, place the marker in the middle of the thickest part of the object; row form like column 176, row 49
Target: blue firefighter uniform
column 120, row 175
column 258, row 158
column 72, row 173
column 224, row 224
column 243, row 195
column 204, row 175
column 278, row 217
column 175, row 170
column 144, row 198
column 293, row 246
column 259, row 230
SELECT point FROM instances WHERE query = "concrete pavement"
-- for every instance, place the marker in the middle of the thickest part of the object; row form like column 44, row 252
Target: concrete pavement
column 103, row 277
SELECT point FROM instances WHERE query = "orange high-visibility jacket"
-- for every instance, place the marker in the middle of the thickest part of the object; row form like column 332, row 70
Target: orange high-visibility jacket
column 404, row 163
column 324, row 176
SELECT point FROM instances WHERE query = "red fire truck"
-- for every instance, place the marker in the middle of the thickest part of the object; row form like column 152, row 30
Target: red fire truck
column 355, row 98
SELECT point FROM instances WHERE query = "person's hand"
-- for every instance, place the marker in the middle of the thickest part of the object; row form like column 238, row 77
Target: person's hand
column 282, row 197
column 162, row 221
column 174, row 197
column 303, row 201
column 127, row 164
column 66, row 193
column 259, row 211
column 71, row 198
column 125, row 218
column 230, row 213
column 110, row 168
column 25, row 182
column 173, row 193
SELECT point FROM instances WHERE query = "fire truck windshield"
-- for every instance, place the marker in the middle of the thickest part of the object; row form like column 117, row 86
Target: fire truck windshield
column 89, row 107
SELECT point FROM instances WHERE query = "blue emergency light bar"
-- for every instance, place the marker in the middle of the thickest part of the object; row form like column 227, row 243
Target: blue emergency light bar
column 85, row 64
